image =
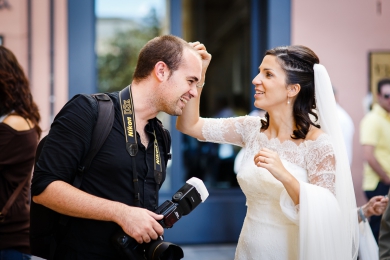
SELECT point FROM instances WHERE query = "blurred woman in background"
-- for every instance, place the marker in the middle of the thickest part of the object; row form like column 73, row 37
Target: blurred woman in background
column 19, row 135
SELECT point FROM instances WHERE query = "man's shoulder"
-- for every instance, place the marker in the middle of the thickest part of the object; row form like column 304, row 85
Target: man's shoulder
column 87, row 101
column 370, row 128
column 81, row 100
column 370, row 117
column 113, row 95
column 80, row 106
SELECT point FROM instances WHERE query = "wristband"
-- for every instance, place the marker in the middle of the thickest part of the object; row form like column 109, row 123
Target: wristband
column 361, row 215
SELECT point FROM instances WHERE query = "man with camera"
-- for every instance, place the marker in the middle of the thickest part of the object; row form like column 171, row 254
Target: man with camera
column 111, row 197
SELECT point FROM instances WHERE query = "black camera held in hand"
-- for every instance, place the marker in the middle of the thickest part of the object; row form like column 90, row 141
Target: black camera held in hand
column 188, row 197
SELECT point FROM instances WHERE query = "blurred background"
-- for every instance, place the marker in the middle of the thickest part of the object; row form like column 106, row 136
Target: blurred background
column 69, row 46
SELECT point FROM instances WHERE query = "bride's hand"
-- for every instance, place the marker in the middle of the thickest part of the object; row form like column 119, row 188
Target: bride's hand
column 270, row 160
column 206, row 57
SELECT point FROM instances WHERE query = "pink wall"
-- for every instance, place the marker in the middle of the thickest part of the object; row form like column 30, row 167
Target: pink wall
column 13, row 26
column 40, row 78
column 342, row 33
column 61, row 54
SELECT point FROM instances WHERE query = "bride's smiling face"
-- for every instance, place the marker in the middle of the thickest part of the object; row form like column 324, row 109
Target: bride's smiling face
column 270, row 84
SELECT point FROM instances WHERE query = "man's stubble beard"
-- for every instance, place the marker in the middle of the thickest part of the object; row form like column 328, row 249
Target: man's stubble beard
column 177, row 111
column 173, row 108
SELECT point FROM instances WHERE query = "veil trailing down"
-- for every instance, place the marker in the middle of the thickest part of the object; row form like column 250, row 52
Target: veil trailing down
column 345, row 195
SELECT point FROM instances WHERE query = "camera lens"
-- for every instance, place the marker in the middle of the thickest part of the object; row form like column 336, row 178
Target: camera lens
column 161, row 250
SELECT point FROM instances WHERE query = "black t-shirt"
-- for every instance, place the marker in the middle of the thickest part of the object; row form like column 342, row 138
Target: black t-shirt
column 109, row 176
column 17, row 150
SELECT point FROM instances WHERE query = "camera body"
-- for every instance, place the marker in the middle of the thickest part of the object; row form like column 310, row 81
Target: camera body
column 186, row 199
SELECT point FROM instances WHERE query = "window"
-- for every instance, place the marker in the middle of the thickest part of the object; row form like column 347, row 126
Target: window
column 224, row 28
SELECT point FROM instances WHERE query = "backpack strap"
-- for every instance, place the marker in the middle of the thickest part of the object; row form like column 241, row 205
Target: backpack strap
column 100, row 133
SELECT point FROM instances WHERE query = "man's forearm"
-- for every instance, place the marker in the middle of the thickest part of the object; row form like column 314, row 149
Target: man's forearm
column 137, row 222
column 68, row 200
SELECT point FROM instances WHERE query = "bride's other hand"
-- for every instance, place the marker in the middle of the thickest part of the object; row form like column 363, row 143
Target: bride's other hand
column 270, row 160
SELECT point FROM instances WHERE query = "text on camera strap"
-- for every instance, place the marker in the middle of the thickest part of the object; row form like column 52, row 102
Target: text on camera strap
column 130, row 129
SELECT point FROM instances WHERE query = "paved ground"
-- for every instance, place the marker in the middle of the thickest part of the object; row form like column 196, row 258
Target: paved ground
column 203, row 252
column 209, row 252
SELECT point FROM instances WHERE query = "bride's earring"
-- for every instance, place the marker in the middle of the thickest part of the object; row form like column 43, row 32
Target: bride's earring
column 288, row 100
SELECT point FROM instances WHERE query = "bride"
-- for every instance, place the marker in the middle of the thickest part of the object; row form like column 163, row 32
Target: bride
column 295, row 172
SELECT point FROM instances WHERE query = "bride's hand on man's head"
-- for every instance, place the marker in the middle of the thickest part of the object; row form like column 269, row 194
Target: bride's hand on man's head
column 201, row 49
column 270, row 160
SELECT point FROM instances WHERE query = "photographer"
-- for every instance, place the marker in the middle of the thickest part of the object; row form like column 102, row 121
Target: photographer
column 167, row 74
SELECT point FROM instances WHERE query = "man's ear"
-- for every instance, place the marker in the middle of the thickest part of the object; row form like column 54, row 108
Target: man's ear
column 161, row 71
column 293, row 90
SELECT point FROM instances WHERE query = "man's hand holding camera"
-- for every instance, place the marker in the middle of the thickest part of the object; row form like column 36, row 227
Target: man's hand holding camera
column 139, row 223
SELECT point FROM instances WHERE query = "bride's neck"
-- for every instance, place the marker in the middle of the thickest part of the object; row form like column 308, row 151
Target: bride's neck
column 280, row 126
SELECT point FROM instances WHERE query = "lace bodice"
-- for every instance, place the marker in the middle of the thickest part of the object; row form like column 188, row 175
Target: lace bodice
column 316, row 157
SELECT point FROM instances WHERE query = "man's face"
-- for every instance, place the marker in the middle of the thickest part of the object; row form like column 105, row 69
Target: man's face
column 181, row 85
column 384, row 97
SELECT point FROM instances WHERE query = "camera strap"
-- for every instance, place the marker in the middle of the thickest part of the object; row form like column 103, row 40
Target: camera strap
column 129, row 125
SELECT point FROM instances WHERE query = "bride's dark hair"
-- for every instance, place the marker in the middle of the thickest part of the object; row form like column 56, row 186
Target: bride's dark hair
column 298, row 61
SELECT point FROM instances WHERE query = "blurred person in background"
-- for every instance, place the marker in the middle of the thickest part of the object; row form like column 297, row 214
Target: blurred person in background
column 384, row 236
column 375, row 139
column 19, row 135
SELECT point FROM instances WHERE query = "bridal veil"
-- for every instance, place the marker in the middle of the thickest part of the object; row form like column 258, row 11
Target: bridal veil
column 341, row 234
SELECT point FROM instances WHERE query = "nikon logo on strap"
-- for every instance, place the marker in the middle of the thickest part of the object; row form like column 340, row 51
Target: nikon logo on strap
column 157, row 153
column 130, row 131
column 127, row 107
column 128, row 117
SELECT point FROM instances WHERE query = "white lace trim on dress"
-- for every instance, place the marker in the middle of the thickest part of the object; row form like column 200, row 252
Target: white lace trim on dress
column 314, row 155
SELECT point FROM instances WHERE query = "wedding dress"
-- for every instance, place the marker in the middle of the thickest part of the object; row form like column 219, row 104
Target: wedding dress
column 274, row 227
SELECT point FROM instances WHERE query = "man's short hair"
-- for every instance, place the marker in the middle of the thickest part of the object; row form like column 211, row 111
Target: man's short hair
column 166, row 48
column 381, row 83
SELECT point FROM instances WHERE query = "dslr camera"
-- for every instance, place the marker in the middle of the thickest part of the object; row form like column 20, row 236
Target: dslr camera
column 188, row 197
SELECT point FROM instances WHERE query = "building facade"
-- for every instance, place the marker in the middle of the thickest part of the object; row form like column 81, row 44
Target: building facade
column 55, row 44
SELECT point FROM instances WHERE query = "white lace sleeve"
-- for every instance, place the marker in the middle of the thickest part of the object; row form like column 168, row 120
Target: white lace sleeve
column 232, row 130
column 321, row 163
